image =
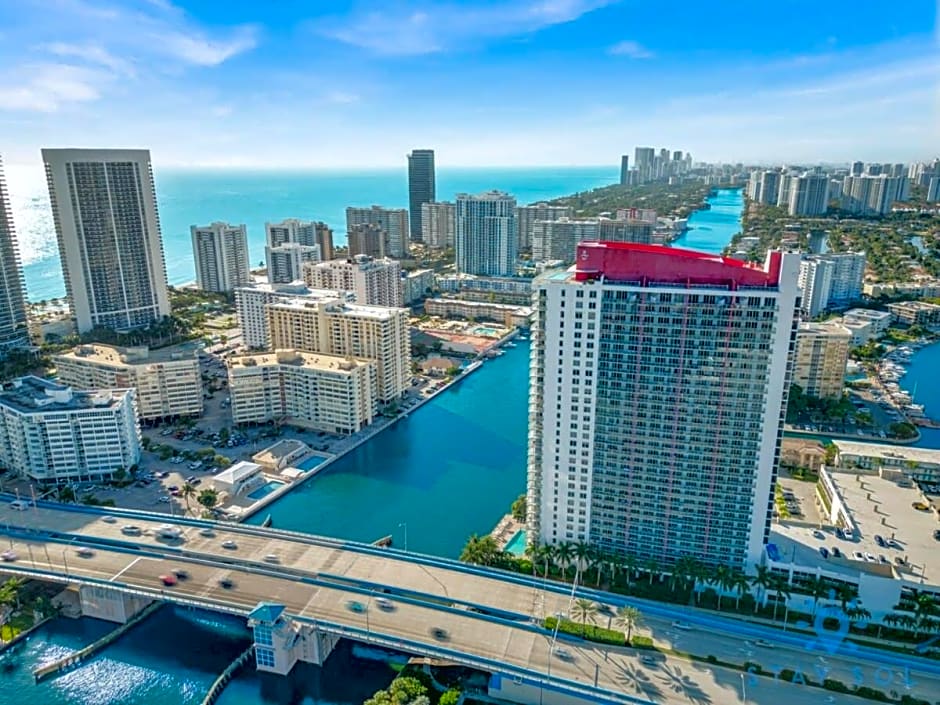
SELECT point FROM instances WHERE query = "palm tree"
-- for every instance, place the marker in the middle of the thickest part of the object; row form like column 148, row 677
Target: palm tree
column 739, row 583
column 925, row 607
column 187, row 492
column 583, row 610
column 547, row 557
column 652, row 567
column 597, row 561
column 817, row 588
column 782, row 589
column 533, row 552
column 721, row 580
column 762, row 580
column 583, row 553
column 628, row 618
column 630, row 564
column 564, row 552
column 679, row 573
column 613, row 565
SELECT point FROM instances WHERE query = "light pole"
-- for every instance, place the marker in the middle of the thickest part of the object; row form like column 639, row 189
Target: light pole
column 404, row 525
column 368, row 607
column 743, row 690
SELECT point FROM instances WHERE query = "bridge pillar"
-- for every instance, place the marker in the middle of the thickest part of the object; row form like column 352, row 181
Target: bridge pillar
column 280, row 642
column 110, row 604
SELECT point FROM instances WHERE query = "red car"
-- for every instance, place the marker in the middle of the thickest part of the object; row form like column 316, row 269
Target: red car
column 168, row 580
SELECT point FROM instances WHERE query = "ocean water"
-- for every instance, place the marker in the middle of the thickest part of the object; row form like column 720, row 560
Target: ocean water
column 921, row 380
column 198, row 197
column 450, row 469
column 711, row 230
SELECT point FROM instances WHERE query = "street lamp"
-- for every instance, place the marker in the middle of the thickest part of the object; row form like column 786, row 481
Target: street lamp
column 404, row 525
column 743, row 690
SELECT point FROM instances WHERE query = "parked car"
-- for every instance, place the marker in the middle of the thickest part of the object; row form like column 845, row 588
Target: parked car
column 823, row 551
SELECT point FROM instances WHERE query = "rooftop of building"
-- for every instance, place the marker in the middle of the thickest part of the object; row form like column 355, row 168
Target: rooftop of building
column 363, row 262
column 827, row 328
column 483, row 304
column 32, row 394
column 140, row 355
column 333, row 305
column 237, row 472
column 659, row 264
column 867, row 313
column 491, row 195
column 295, row 358
column 914, row 305
column 892, row 453
column 295, row 288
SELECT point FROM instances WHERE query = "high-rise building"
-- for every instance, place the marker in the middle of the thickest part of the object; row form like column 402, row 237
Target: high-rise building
column 486, row 234
column 769, row 188
column 625, row 170
column 52, row 433
column 421, row 188
column 831, row 281
column 872, row 195
column 373, row 282
column 251, row 303
column 809, row 194
column 14, row 331
column 858, row 168
column 367, row 239
column 168, row 382
column 306, row 233
column 339, row 328
column 437, row 224
column 526, row 217
column 104, row 207
column 933, row 189
column 393, row 221
column 557, row 240
column 783, row 190
column 314, row 391
column 220, row 252
column 659, row 382
column 822, row 351
column 643, row 158
column 286, row 262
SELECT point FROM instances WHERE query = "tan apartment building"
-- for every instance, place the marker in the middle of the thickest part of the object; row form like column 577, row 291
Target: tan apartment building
column 508, row 315
column 321, row 392
column 168, row 382
column 339, row 328
column 822, row 351
column 375, row 282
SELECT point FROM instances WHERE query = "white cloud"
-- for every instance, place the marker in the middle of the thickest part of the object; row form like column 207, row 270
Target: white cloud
column 341, row 98
column 47, row 87
column 92, row 54
column 195, row 48
column 630, row 48
column 405, row 31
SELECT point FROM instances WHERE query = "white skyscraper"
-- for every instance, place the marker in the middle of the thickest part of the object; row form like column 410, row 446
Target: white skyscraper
column 872, row 195
column 286, row 262
column 437, row 224
column 831, row 281
column 526, row 217
column 220, row 252
column 105, row 212
column 13, row 319
column 485, row 234
column 659, row 380
column 373, row 282
column 809, row 194
column 302, row 232
column 392, row 221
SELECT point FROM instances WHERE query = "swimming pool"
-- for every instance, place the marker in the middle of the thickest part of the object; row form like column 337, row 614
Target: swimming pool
column 486, row 331
column 516, row 545
column 311, row 462
column 265, row 490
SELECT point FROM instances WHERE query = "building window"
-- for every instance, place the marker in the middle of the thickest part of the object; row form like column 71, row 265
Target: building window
column 264, row 657
column 263, row 636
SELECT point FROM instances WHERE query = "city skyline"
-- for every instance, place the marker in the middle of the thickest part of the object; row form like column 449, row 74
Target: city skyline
column 760, row 91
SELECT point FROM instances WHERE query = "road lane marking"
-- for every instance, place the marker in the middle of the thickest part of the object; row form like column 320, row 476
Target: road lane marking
column 124, row 569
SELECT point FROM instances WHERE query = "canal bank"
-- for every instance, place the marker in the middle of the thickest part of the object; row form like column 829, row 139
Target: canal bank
column 710, row 230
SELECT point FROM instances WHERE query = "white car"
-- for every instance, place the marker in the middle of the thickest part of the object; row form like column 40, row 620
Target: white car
column 272, row 558
column 207, row 532
column 231, row 545
column 84, row 552
column 764, row 644
column 9, row 556
column 682, row 625
column 108, row 519
column 130, row 530
column 562, row 653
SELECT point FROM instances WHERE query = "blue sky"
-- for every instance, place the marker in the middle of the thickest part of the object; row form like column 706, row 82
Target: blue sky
column 484, row 82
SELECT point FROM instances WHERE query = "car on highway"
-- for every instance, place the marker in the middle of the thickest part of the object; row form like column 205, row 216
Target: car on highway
column 181, row 574
column 685, row 626
column 562, row 653
column 272, row 558
column 764, row 644
column 823, row 551
column 9, row 555
column 108, row 519
column 226, row 583
column 384, row 604
column 230, row 545
column 168, row 579
column 84, row 552
column 439, row 634
column 818, row 534
column 206, row 532
column 354, row 606
column 130, row 530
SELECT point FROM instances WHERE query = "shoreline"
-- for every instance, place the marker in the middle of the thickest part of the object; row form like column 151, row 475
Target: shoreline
column 371, row 433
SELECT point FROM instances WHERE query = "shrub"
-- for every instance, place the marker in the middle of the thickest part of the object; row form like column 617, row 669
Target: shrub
column 871, row 693
column 836, row 686
column 641, row 642
column 588, row 632
column 451, row 697
column 711, row 658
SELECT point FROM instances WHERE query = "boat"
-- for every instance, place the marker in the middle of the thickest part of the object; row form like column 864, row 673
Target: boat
column 510, row 344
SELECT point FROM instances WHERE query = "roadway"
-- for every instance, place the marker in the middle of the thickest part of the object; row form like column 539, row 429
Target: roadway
column 424, row 592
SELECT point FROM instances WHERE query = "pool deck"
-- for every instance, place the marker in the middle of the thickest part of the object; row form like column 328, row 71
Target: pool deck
column 505, row 529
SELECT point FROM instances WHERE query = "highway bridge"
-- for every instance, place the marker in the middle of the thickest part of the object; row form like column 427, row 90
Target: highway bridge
column 485, row 619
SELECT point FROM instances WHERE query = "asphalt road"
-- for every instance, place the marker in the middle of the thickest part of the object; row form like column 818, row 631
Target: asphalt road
column 670, row 679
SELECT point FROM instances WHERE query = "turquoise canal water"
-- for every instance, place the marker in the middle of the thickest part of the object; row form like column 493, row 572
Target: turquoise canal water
column 921, row 381
column 464, row 449
column 198, row 197
column 711, row 230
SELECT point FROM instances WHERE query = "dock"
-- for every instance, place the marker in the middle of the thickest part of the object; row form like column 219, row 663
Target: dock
column 215, row 690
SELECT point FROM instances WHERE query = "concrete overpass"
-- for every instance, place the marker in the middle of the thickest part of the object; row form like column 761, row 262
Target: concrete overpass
column 491, row 618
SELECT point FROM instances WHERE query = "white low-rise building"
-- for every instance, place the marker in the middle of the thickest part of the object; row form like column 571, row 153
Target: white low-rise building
column 52, row 433
column 866, row 324
column 316, row 391
column 240, row 478
column 168, row 382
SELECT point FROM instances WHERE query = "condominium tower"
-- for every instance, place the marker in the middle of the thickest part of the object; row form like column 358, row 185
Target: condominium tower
column 286, row 262
column 302, row 232
column 104, row 208
column 339, row 328
column 421, row 188
column 527, row 216
column 831, row 281
column 437, row 224
column 13, row 319
column 373, row 282
column 251, row 307
column 809, row 194
column 822, row 352
column 658, row 388
column 220, row 252
column 392, row 221
column 486, row 234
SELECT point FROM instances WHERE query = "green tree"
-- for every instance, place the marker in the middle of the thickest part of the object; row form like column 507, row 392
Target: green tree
column 763, row 579
column 481, row 551
column 208, row 498
column 518, row 508
column 584, row 611
column 187, row 492
column 450, row 697
column 628, row 619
